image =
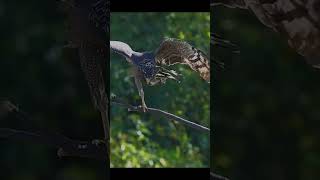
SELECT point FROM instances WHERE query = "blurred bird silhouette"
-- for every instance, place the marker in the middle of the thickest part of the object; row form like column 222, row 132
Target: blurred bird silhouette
column 87, row 27
column 297, row 21
column 152, row 67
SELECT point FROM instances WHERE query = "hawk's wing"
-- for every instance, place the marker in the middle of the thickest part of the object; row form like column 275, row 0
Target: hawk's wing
column 87, row 21
column 218, row 41
column 121, row 48
column 298, row 21
column 173, row 51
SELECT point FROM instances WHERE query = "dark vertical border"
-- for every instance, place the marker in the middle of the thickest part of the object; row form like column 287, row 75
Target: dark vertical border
column 108, row 172
column 213, row 78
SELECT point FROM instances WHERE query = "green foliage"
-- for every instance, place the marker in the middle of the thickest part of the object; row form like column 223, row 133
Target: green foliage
column 141, row 140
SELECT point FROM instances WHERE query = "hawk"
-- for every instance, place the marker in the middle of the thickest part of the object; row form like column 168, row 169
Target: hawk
column 87, row 27
column 298, row 21
column 153, row 67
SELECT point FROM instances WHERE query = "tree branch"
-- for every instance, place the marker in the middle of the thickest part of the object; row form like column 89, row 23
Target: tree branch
column 65, row 146
column 158, row 112
column 214, row 176
column 70, row 147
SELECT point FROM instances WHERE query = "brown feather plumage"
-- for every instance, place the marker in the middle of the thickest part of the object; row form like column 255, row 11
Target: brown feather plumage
column 174, row 51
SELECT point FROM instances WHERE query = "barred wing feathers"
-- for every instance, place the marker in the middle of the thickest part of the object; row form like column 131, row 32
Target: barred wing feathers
column 174, row 51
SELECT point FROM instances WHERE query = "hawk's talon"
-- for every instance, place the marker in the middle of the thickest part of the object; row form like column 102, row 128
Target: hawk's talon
column 144, row 108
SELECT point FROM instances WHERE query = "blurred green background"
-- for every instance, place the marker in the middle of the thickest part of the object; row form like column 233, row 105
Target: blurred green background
column 142, row 140
column 266, row 105
column 46, row 82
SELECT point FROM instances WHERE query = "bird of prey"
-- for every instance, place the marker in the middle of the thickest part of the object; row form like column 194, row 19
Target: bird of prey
column 297, row 21
column 87, row 27
column 153, row 67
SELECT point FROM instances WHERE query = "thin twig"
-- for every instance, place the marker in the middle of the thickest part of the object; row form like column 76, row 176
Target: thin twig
column 214, row 176
column 154, row 111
